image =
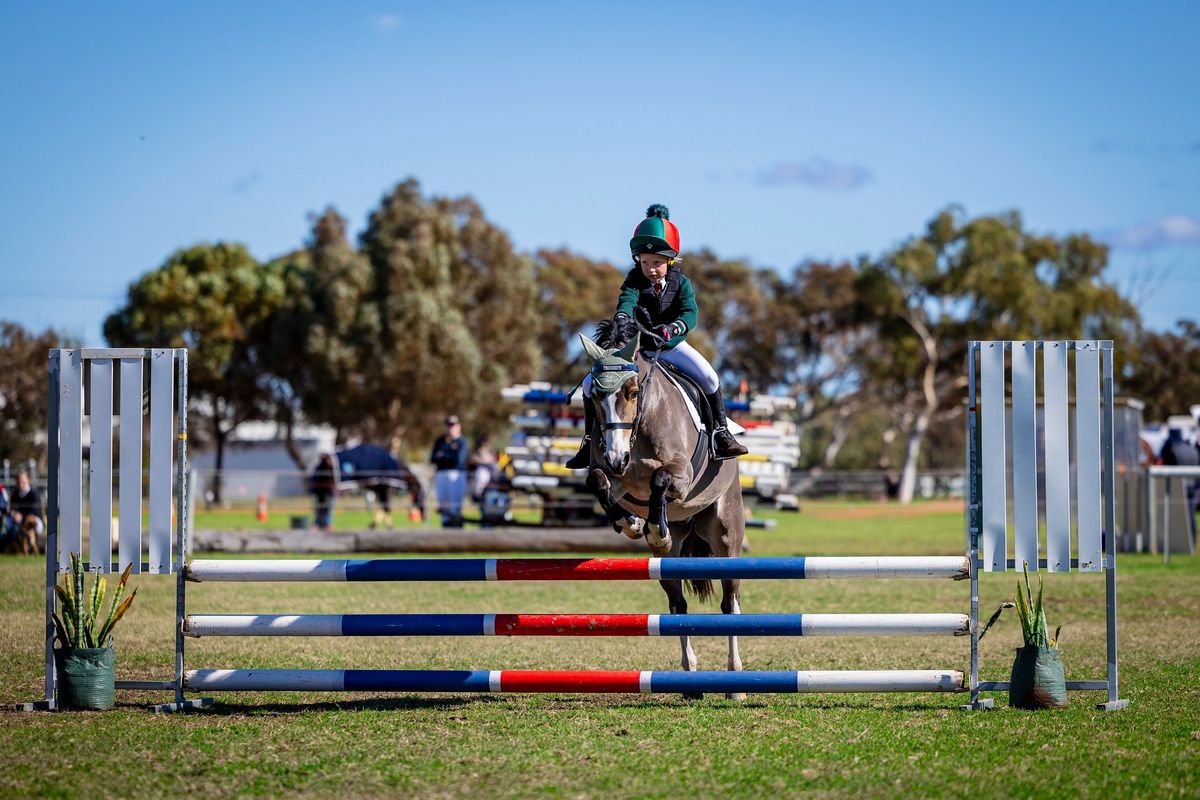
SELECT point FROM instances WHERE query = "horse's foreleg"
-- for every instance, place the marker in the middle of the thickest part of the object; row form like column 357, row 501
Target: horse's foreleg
column 622, row 521
column 677, row 604
column 658, row 531
column 729, row 605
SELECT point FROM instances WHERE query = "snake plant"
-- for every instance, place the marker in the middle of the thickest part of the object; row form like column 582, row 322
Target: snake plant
column 1031, row 613
column 79, row 621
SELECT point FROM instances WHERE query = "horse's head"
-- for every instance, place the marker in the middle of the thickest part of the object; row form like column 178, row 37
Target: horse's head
column 614, row 394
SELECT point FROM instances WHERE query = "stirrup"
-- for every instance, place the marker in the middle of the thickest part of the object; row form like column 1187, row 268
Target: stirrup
column 738, row 449
column 582, row 459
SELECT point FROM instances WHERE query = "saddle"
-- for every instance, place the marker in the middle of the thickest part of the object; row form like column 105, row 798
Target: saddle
column 704, row 468
column 701, row 414
column 694, row 395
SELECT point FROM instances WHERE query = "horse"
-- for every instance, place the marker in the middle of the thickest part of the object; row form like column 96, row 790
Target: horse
column 643, row 472
column 21, row 538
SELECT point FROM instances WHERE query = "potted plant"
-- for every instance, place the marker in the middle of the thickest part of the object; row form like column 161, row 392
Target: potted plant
column 84, row 661
column 1038, row 679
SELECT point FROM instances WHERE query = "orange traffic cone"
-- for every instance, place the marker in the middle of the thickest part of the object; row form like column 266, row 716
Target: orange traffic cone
column 260, row 512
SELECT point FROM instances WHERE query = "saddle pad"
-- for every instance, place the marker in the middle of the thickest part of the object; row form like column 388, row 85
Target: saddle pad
column 693, row 412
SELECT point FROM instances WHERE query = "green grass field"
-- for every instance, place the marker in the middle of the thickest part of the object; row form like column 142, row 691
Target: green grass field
column 908, row 745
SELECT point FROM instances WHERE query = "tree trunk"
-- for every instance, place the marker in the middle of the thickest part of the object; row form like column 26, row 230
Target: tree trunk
column 841, row 431
column 916, row 434
column 219, row 438
column 912, row 454
column 289, row 443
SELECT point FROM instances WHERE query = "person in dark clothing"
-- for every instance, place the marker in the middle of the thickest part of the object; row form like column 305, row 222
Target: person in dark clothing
column 322, row 483
column 1176, row 452
column 21, row 520
column 25, row 504
column 449, row 455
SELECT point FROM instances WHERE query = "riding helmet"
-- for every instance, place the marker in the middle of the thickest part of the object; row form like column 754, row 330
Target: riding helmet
column 655, row 234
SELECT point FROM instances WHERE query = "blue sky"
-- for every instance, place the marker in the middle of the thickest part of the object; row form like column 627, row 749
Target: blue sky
column 774, row 131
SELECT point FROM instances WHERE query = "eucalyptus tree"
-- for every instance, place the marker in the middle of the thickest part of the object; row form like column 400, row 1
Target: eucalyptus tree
column 23, row 391
column 982, row 278
column 456, row 314
column 216, row 300
column 1166, row 371
column 574, row 292
column 320, row 336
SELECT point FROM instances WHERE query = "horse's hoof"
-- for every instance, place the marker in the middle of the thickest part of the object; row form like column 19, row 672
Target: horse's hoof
column 632, row 527
column 654, row 535
column 736, row 696
column 693, row 695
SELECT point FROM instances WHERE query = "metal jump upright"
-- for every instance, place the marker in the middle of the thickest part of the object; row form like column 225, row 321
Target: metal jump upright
column 1078, row 481
column 129, row 384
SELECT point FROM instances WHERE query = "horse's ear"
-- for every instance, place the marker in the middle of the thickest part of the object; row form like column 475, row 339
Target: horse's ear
column 631, row 347
column 593, row 350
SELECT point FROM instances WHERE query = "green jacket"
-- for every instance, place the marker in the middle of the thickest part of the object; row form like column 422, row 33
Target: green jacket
column 675, row 307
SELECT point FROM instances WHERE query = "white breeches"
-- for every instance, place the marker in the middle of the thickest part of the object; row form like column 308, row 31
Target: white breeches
column 451, row 487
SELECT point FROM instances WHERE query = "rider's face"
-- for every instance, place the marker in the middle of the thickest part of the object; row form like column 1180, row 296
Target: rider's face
column 654, row 266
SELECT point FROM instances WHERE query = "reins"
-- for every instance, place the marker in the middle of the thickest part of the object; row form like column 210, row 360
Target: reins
column 652, row 358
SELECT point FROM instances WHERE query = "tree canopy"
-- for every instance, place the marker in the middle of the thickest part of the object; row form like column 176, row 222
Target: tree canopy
column 433, row 310
column 24, row 391
column 218, row 302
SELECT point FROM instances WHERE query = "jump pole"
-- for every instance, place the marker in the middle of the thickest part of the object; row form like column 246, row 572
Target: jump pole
column 579, row 569
column 200, row 625
column 630, row 681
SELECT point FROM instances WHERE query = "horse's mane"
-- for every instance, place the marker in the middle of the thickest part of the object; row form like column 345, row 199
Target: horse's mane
column 617, row 332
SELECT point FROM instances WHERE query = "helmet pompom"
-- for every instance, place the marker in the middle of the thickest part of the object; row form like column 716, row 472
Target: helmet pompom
column 658, row 210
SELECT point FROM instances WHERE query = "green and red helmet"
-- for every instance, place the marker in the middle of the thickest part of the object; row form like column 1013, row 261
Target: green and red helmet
column 655, row 234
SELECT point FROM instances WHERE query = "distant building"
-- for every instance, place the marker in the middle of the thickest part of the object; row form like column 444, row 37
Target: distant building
column 257, row 460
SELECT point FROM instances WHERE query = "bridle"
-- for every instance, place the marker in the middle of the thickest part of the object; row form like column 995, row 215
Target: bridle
column 632, row 427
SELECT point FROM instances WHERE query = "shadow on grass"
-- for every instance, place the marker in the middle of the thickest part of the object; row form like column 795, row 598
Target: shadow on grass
column 710, row 702
column 230, row 708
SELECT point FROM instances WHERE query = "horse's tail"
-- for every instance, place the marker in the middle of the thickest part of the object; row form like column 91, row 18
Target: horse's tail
column 695, row 547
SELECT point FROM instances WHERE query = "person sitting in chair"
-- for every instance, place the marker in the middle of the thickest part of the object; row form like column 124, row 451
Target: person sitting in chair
column 25, row 515
column 657, row 285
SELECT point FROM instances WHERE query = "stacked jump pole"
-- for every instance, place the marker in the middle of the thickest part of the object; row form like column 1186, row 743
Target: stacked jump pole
column 556, row 569
column 82, row 381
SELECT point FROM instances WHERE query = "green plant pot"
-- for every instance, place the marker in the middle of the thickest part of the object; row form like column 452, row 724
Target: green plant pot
column 86, row 678
column 1038, row 679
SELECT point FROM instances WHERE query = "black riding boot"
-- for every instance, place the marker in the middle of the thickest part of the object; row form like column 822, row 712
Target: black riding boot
column 724, row 445
column 583, row 459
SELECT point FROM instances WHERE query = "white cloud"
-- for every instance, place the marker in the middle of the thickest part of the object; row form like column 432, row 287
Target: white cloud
column 1178, row 230
column 384, row 22
column 820, row 173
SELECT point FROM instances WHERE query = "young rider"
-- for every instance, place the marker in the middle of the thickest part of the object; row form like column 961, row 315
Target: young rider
column 657, row 285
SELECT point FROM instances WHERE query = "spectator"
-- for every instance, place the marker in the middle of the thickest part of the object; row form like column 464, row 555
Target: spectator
column 8, row 528
column 1176, row 452
column 323, row 485
column 449, row 456
column 483, row 466
column 25, row 505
